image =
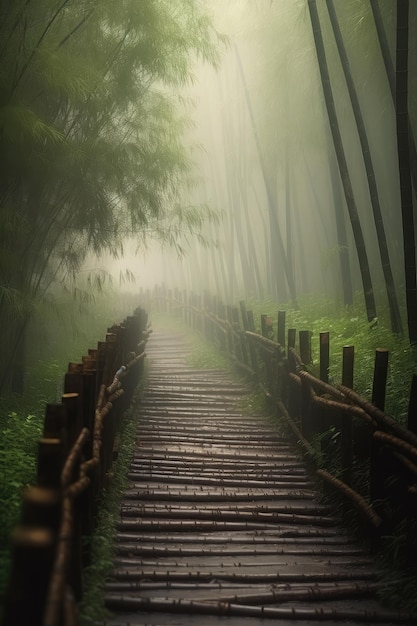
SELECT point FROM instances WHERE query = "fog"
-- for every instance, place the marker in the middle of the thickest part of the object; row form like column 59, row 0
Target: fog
column 265, row 161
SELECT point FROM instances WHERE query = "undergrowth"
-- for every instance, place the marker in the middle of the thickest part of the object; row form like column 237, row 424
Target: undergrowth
column 348, row 326
column 51, row 346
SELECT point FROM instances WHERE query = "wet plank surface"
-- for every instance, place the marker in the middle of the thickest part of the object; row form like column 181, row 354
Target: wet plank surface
column 220, row 522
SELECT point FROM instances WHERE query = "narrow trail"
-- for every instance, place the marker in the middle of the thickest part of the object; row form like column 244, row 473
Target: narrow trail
column 220, row 522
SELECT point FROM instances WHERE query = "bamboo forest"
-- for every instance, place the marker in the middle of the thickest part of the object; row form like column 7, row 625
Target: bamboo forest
column 252, row 153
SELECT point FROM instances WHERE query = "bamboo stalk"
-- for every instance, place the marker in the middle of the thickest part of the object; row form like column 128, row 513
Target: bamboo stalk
column 396, row 443
column 129, row 603
column 348, row 409
column 73, row 456
column 314, row 593
column 381, row 418
column 321, row 386
column 355, row 497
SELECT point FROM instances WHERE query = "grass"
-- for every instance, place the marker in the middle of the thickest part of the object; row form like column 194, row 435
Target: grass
column 348, row 326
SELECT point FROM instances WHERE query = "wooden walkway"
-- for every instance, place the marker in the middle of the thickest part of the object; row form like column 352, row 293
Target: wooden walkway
column 220, row 523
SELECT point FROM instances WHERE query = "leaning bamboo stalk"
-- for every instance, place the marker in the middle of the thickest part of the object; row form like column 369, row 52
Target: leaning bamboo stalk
column 296, row 358
column 136, row 360
column 321, row 386
column 355, row 497
column 348, row 409
column 264, row 341
column 380, row 417
column 395, row 442
column 72, row 458
column 295, row 379
column 412, row 468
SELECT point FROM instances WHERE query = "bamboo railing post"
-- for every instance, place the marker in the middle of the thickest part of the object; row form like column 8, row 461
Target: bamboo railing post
column 200, row 319
column 411, row 522
column 264, row 329
column 55, row 425
column 235, row 339
column 50, row 461
column 381, row 458
column 380, row 378
column 245, row 325
column 281, row 329
column 252, row 351
column 72, row 401
column 207, row 306
column 41, row 507
column 221, row 335
column 229, row 327
column 292, row 332
column 33, row 550
column 347, row 365
column 324, row 356
column 412, row 406
column 305, row 346
column 346, row 423
column 309, row 421
column 101, row 358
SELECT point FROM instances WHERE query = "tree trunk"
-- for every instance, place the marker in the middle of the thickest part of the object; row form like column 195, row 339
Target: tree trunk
column 390, row 70
column 394, row 309
column 341, row 159
column 401, row 97
column 272, row 205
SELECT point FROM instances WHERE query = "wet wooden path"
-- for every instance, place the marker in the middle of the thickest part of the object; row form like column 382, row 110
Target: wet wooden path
column 220, row 523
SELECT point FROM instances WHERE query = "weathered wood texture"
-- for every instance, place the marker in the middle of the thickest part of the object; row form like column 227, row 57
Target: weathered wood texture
column 220, row 522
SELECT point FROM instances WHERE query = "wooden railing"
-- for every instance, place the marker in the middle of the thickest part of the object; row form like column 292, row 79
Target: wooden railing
column 75, row 456
column 348, row 428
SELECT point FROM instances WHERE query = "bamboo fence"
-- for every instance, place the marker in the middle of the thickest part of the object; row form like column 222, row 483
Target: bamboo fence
column 50, row 546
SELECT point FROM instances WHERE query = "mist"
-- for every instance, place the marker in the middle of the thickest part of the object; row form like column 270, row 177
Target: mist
column 260, row 135
column 251, row 149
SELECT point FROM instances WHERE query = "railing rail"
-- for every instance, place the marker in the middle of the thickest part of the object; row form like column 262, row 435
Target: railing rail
column 75, row 456
column 360, row 430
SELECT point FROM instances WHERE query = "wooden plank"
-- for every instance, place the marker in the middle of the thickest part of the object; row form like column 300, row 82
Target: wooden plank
column 220, row 522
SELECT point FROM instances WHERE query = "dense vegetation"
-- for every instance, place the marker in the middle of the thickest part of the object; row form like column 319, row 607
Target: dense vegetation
column 91, row 142
column 347, row 326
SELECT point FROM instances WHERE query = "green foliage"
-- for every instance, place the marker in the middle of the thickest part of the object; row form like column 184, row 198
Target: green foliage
column 19, row 432
column 399, row 580
column 348, row 326
column 91, row 138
